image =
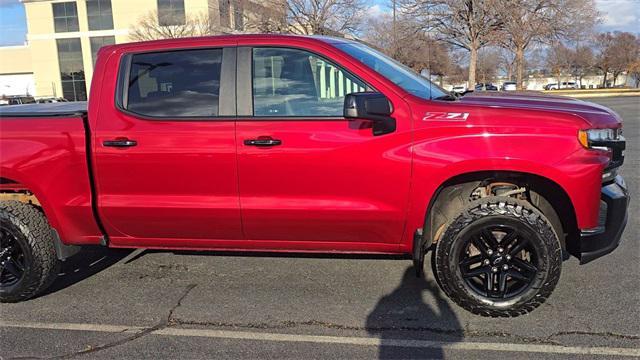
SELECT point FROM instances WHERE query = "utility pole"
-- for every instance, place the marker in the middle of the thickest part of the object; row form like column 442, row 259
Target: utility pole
column 394, row 36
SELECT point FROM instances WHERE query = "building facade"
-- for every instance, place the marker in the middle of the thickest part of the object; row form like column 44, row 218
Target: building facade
column 64, row 36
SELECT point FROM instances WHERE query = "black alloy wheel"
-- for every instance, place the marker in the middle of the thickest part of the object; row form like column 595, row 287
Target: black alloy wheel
column 12, row 258
column 497, row 261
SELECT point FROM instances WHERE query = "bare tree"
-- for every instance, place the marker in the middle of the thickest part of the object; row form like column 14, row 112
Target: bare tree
column 634, row 72
column 322, row 17
column 149, row 28
column 626, row 50
column 529, row 22
column 559, row 59
column 582, row 62
column 603, row 44
column 488, row 64
column 266, row 17
column 617, row 52
column 467, row 24
column 419, row 51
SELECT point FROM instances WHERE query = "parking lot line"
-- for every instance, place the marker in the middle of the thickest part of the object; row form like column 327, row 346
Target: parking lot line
column 346, row 340
column 72, row 326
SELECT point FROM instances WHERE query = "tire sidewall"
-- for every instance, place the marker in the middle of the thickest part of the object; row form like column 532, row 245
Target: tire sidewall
column 494, row 210
column 21, row 233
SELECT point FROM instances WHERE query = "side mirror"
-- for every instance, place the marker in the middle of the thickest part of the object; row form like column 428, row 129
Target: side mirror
column 371, row 106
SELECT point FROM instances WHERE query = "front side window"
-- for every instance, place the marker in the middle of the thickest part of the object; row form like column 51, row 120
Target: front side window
column 65, row 17
column 291, row 82
column 183, row 83
column 71, row 69
column 99, row 14
column 171, row 12
column 99, row 41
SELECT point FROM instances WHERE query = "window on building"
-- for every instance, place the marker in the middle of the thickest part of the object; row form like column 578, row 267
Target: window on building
column 183, row 83
column 171, row 12
column 65, row 17
column 290, row 82
column 238, row 15
column 71, row 69
column 99, row 41
column 224, row 7
column 99, row 14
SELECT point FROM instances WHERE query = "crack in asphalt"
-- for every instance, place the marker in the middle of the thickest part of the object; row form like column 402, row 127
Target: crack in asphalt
column 163, row 324
column 171, row 321
column 605, row 334
column 440, row 331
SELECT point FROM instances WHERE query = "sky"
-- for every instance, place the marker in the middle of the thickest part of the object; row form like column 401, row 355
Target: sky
column 617, row 15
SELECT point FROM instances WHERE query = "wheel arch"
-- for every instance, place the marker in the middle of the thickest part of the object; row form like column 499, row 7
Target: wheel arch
column 545, row 194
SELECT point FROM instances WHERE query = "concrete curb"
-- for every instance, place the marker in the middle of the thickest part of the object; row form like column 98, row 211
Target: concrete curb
column 594, row 93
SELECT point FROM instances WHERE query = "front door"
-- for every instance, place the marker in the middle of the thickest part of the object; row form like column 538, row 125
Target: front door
column 306, row 174
column 166, row 170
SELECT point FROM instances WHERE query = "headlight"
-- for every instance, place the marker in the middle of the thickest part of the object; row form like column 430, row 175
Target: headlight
column 599, row 137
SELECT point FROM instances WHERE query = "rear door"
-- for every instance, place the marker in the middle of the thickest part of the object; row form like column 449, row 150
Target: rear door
column 307, row 175
column 165, row 156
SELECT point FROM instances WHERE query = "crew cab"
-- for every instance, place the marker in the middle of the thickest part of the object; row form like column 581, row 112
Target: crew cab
column 275, row 143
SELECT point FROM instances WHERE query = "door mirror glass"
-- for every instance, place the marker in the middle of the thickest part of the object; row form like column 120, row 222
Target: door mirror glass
column 371, row 106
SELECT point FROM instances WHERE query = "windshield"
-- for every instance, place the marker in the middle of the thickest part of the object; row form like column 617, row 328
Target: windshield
column 397, row 73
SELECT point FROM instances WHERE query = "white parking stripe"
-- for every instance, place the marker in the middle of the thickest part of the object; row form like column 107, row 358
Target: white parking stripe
column 72, row 326
column 321, row 339
column 372, row 341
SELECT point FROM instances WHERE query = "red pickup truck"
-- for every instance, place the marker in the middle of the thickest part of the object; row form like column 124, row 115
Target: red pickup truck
column 310, row 144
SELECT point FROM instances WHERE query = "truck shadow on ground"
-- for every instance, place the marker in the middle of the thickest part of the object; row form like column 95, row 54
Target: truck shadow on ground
column 86, row 263
column 405, row 311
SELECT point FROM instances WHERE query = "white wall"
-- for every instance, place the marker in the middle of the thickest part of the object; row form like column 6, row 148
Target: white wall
column 17, row 84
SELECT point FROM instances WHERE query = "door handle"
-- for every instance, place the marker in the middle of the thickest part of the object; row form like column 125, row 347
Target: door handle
column 121, row 143
column 262, row 142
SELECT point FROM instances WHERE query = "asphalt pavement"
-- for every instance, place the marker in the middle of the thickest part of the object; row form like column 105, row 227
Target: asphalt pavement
column 119, row 304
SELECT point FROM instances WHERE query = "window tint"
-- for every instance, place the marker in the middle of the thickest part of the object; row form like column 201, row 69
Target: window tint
column 99, row 14
column 65, row 17
column 290, row 82
column 175, row 84
column 99, row 41
column 71, row 69
column 171, row 12
column 398, row 73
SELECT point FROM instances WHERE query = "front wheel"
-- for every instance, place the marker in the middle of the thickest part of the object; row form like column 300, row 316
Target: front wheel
column 498, row 257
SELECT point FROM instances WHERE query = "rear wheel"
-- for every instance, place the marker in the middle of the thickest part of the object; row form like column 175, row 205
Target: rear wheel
column 498, row 257
column 28, row 261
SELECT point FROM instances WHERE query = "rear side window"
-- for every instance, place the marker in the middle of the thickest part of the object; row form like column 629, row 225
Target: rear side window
column 183, row 83
column 292, row 82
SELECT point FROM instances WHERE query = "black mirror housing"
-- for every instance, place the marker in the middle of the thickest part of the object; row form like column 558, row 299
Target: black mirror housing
column 371, row 106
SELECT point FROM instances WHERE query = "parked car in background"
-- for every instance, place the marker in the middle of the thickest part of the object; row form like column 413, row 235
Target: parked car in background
column 509, row 86
column 564, row 85
column 199, row 144
column 459, row 89
column 486, row 87
column 51, row 100
column 17, row 100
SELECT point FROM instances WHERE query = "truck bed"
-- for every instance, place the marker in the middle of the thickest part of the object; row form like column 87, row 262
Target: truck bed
column 44, row 151
column 62, row 109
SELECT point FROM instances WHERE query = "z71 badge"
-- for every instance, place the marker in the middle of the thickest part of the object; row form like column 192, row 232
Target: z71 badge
column 445, row 116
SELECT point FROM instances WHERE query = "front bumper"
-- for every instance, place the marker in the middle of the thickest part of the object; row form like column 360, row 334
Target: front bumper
column 613, row 219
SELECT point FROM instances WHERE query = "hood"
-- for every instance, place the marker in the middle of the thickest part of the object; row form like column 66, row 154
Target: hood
column 597, row 116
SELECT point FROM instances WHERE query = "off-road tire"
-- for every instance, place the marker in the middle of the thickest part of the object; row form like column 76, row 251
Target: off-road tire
column 36, row 238
column 449, row 275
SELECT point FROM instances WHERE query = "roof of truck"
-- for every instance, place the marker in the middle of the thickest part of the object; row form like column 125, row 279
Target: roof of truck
column 235, row 37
